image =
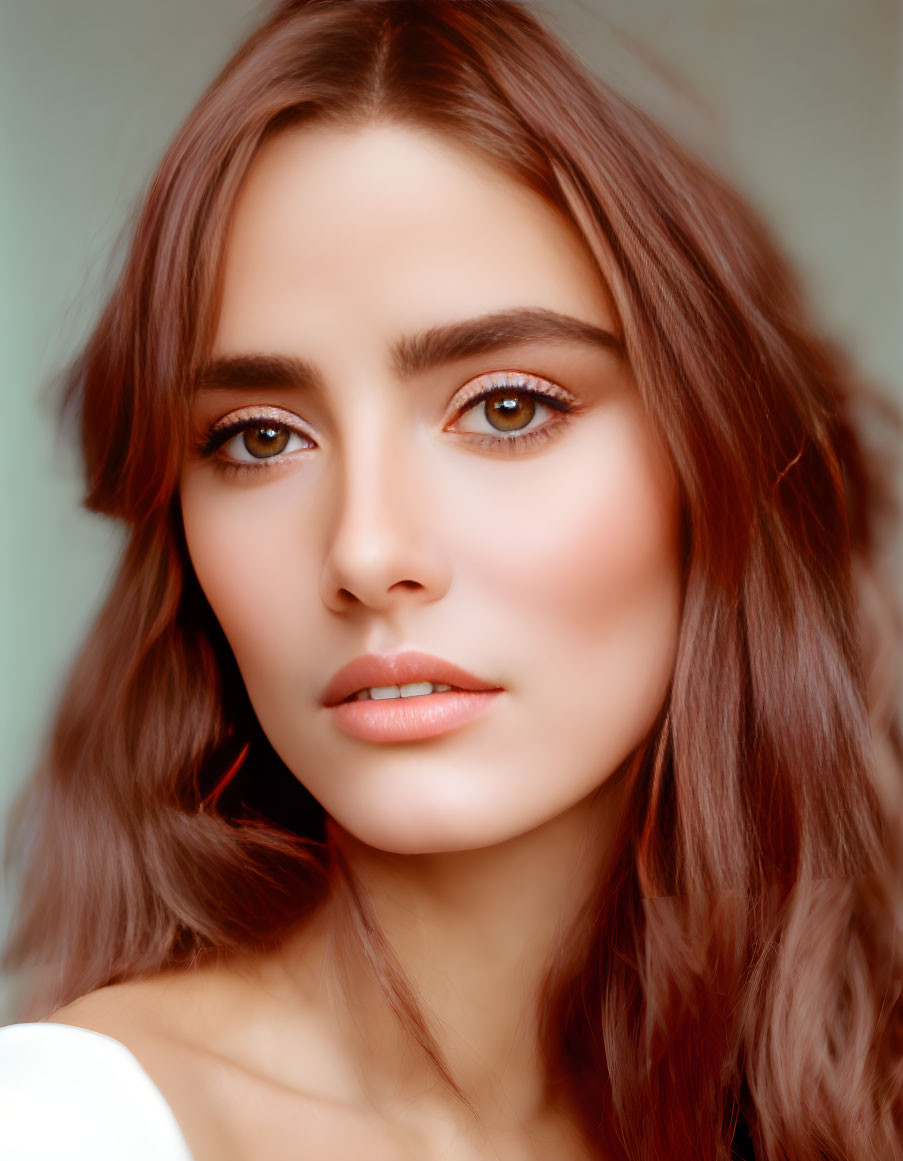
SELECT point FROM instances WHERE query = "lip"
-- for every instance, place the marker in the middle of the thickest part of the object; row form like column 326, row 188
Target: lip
column 411, row 719
column 399, row 668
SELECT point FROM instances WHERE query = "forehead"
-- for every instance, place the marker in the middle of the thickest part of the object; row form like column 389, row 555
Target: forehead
column 387, row 230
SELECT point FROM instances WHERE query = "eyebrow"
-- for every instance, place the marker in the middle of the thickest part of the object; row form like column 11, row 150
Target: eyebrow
column 414, row 355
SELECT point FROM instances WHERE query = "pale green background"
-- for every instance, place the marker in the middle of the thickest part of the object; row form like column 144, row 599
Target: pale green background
column 797, row 100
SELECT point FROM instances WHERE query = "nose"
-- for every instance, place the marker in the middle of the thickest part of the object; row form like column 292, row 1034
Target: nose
column 383, row 546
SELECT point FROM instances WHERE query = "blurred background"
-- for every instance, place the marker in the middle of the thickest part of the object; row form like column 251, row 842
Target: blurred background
column 798, row 102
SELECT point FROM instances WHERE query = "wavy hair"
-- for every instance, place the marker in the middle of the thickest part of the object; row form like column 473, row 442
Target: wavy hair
column 741, row 957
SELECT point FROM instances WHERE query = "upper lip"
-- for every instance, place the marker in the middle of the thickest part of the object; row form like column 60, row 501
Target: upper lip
column 397, row 669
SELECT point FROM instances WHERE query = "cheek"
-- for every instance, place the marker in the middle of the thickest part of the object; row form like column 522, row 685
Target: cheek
column 254, row 571
column 619, row 539
column 592, row 540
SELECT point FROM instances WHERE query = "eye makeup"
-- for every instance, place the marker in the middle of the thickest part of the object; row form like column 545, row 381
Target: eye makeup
column 507, row 386
column 276, row 427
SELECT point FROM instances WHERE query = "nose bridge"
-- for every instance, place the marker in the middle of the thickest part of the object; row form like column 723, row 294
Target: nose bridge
column 371, row 472
column 379, row 542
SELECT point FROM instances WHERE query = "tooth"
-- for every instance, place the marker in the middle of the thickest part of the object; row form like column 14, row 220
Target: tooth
column 409, row 689
column 382, row 692
column 416, row 688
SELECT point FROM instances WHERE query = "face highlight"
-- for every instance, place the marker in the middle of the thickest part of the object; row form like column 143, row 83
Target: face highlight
column 417, row 434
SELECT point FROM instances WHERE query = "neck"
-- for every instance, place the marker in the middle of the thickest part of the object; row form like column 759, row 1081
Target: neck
column 477, row 934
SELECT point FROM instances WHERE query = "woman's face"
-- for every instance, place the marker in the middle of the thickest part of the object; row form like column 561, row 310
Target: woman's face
column 347, row 496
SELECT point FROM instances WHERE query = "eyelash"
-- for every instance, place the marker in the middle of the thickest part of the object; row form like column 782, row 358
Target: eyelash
column 209, row 444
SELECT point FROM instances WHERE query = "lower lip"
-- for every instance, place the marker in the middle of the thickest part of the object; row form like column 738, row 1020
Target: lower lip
column 411, row 719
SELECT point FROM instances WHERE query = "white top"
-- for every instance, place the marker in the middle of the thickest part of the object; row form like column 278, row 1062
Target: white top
column 68, row 1094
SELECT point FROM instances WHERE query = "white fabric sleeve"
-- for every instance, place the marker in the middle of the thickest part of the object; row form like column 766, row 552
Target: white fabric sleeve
column 68, row 1094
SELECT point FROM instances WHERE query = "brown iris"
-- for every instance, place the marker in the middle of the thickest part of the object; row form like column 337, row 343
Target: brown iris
column 262, row 442
column 509, row 412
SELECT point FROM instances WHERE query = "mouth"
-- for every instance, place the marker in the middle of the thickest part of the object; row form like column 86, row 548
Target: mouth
column 407, row 674
column 405, row 697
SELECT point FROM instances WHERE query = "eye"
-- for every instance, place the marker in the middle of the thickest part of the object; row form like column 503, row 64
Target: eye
column 252, row 440
column 262, row 441
column 506, row 408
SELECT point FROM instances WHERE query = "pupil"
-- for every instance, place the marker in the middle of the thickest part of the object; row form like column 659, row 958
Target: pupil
column 265, row 441
column 510, row 412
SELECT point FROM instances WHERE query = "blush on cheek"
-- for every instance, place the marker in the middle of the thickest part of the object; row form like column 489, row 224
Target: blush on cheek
column 620, row 548
column 587, row 536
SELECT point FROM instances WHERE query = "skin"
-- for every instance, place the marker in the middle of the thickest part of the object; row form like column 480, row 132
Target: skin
column 553, row 572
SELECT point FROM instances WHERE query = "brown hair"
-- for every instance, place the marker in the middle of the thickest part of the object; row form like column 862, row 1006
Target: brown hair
column 742, row 952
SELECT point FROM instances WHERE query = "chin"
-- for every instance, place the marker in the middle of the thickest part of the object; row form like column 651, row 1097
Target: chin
column 406, row 834
column 424, row 828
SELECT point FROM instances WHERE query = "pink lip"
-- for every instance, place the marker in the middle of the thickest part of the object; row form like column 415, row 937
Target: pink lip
column 405, row 719
column 411, row 719
column 398, row 669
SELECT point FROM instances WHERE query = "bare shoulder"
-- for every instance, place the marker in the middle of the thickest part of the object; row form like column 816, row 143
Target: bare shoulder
column 243, row 1084
column 112, row 1006
column 161, row 1019
column 168, row 1005
column 152, row 1019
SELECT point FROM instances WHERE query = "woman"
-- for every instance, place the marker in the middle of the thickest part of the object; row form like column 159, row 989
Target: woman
column 474, row 755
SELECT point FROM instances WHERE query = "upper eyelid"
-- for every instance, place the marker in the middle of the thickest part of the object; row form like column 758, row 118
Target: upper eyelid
column 514, row 380
column 253, row 413
column 473, row 389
